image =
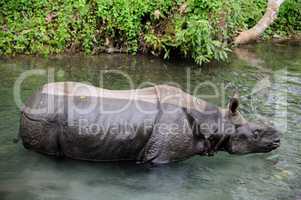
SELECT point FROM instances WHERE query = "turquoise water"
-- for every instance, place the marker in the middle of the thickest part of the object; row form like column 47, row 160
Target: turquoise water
column 268, row 78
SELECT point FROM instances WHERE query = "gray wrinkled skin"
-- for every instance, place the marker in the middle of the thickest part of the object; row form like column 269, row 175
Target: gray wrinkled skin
column 161, row 125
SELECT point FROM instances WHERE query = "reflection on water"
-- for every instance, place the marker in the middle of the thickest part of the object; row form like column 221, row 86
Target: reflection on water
column 268, row 78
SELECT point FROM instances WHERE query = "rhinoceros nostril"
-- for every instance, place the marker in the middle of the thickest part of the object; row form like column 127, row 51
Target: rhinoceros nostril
column 277, row 141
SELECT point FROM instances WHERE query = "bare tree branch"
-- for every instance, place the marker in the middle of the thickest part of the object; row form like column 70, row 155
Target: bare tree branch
column 267, row 19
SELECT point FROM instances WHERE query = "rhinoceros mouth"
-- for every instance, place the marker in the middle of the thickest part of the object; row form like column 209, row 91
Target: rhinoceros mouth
column 263, row 149
column 274, row 145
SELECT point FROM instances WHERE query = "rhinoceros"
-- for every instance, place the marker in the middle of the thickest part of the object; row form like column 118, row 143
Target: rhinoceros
column 158, row 124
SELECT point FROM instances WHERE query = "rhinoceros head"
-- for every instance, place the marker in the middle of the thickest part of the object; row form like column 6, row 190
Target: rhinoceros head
column 249, row 137
column 253, row 138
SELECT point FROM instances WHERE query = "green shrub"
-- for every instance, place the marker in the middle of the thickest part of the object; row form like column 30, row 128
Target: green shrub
column 197, row 29
column 289, row 18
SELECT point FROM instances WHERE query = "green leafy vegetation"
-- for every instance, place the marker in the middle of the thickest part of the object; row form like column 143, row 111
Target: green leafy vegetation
column 289, row 19
column 197, row 29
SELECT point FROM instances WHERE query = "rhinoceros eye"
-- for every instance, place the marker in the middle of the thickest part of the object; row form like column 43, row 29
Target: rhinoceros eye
column 256, row 134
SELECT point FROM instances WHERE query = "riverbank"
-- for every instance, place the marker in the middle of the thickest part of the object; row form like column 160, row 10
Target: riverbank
column 196, row 29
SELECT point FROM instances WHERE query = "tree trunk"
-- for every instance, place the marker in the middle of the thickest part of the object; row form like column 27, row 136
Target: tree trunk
column 266, row 20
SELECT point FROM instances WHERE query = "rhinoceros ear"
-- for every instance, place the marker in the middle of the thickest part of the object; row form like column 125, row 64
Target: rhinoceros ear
column 234, row 103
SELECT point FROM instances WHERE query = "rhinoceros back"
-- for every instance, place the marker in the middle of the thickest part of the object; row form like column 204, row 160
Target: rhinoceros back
column 89, row 127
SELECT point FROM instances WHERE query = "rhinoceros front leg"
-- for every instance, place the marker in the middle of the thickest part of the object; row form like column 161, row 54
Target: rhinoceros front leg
column 172, row 139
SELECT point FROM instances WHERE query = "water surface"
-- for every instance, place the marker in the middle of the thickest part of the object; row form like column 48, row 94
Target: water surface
column 268, row 78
